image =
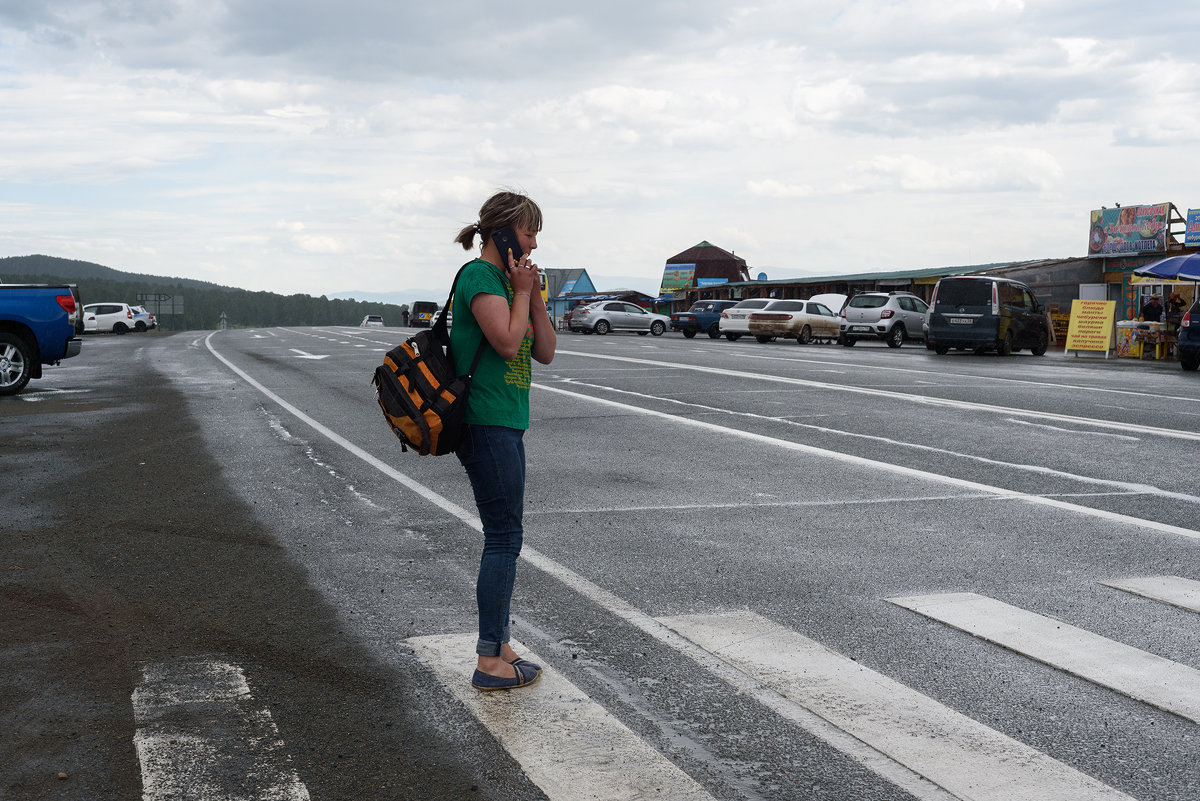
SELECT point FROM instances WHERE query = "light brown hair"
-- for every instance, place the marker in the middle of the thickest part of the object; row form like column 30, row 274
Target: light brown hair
column 500, row 210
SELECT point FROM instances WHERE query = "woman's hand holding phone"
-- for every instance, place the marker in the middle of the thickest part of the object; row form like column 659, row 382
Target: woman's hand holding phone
column 523, row 274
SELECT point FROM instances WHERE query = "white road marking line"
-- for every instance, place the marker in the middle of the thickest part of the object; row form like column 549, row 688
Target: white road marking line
column 305, row 355
column 1073, row 430
column 867, row 756
column 699, row 507
column 901, row 396
column 1172, row 590
column 567, row 744
column 201, row 735
column 956, row 753
column 1164, row 684
column 888, row 467
column 1122, row 486
column 1002, row 379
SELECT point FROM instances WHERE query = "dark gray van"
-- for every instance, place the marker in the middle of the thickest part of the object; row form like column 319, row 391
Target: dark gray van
column 984, row 313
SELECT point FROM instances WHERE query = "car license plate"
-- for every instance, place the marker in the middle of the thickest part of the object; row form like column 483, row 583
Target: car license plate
column 960, row 320
column 866, row 328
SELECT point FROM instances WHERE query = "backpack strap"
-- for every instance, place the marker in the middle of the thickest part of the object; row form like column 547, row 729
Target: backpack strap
column 441, row 331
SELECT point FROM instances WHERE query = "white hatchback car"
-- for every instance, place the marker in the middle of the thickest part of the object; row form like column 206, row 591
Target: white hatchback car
column 372, row 321
column 115, row 317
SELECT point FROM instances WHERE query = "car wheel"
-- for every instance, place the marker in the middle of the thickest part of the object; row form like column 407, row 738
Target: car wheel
column 733, row 337
column 941, row 350
column 120, row 328
column 805, row 336
column 1040, row 348
column 689, row 333
column 714, row 331
column 895, row 337
column 1006, row 345
column 601, row 327
column 657, row 328
column 16, row 358
column 763, row 338
column 1189, row 361
column 846, row 341
column 140, row 327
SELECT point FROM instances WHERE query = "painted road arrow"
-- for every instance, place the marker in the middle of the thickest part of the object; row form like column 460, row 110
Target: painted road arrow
column 304, row 355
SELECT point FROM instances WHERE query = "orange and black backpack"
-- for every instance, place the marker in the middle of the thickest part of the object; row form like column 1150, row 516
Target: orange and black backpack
column 423, row 398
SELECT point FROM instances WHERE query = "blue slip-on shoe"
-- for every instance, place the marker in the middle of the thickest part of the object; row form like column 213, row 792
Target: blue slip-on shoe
column 522, row 661
column 526, row 675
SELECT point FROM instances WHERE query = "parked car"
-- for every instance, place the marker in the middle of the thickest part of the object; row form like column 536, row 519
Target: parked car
column 39, row 324
column 705, row 315
column 115, row 317
column 984, row 313
column 437, row 316
column 735, row 321
column 1188, row 346
column 617, row 315
column 802, row 320
column 142, row 319
column 422, row 314
column 890, row 316
column 372, row 321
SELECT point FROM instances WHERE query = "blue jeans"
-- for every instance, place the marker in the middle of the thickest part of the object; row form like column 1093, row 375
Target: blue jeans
column 494, row 457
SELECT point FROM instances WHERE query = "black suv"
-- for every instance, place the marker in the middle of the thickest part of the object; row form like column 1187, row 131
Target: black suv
column 981, row 313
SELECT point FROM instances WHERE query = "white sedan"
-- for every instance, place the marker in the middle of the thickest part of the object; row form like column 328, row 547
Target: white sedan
column 802, row 320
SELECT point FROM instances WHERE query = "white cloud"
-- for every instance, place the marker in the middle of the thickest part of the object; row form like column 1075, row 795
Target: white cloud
column 364, row 135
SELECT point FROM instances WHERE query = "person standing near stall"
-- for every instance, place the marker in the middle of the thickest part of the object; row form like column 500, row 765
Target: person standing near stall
column 1152, row 310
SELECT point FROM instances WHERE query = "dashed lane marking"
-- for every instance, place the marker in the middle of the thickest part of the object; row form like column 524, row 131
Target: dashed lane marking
column 566, row 743
column 202, row 735
column 949, row 749
column 1172, row 590
column 1146, row 677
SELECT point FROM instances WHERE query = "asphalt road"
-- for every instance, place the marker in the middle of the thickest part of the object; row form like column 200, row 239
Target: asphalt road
column 743, row 566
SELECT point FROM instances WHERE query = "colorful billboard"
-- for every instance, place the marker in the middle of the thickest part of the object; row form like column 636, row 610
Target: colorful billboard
column 677, row 276
column 1129, row 230
column 1192, row 237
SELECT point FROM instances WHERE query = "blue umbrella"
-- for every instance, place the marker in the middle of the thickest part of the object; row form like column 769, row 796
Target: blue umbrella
column 1186, row 268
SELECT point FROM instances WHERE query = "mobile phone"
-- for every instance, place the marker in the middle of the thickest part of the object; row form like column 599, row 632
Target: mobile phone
column 506, row 239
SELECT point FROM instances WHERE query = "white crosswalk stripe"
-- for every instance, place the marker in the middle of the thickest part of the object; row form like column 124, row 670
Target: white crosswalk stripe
column 567, row 744
column 1172, row 590
column 966, row 758
column 1152, row 679
column 202, row 735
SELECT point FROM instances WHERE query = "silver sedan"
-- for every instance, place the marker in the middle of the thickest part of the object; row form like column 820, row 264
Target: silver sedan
column 617, row 315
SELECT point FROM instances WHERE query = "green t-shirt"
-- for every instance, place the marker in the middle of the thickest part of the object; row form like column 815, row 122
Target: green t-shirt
column 500, row 390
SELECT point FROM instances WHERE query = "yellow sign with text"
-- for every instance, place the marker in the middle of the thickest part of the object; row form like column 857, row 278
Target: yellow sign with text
column 1091, row 326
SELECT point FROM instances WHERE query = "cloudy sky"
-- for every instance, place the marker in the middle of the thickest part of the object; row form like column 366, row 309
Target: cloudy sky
column 322, row 147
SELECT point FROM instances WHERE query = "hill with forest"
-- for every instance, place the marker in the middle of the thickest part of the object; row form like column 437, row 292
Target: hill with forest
column 202, row 302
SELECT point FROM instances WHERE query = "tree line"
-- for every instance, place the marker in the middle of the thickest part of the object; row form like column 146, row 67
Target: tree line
column 203, row 302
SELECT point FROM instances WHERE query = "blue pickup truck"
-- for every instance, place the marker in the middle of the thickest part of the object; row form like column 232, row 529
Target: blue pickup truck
column 705, row 315
column 39, row 324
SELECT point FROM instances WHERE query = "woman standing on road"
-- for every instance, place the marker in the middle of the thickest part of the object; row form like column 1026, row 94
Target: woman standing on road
column 494, row 300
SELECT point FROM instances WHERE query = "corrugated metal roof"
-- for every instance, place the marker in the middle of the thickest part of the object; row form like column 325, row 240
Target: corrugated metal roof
column 851, row 278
